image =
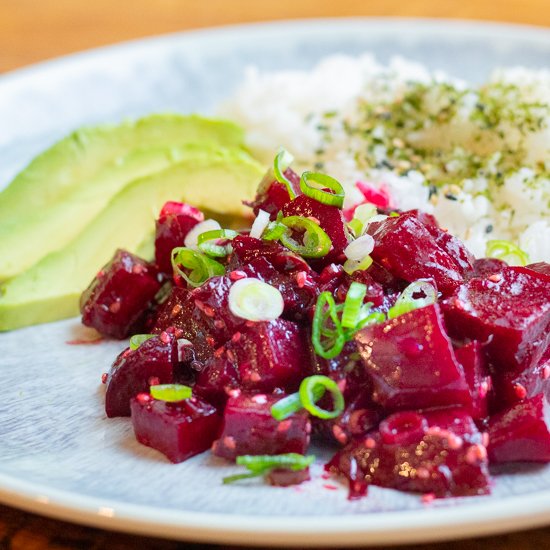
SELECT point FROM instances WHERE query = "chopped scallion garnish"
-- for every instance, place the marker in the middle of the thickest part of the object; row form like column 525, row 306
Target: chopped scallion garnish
column 255, row 300
column 408, row 302
column 315, row 242
column 333, row 342
column 282, row 161
column 200, row 267
column 308, row 396
column 259, row 465
column 352, row 304
column 206, row 244
column 506, row 251
column 313, row 184
column 350, row 266
column 137, row 339
column 171, row 393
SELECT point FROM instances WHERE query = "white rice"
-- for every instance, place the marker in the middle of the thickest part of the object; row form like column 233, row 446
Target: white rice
column 478, row 158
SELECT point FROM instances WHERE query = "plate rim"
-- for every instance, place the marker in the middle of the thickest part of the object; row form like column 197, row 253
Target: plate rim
column 509, row 514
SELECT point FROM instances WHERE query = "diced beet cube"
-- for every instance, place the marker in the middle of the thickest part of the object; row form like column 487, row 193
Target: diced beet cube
column 249, row 429
column 179, row 429
column 261, row 357
column 437, row 452
column 510, row 311
column 299, row 289
column 202, row 315
column 521, row 433
column 272, row 195
column 176, row 219
column 485, row 267
column 411, row 362
column 512, row 387
column 117, row 300
column 247, row 249
column 408, row 249
column 540, row 267
column 134, row 371
column 453, row 246
column 472, row 359
column 336, row 281
column 330, row 220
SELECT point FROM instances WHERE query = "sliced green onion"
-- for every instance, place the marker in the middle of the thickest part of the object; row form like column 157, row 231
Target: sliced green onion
column 359, row 248
column 308, row 396
column 350, row 266
column 205, row 244
column 352, row 304
column 362, row 214
column 282, row 161
column 292, row 403
column 137, row 339
column 308, row 185
column 260, row 224
column 316, row 243
column 171, row 392
column 334, row 346
column 200, row 267
column 192, row 237
column 507, row 251
column 373, row 318
column 274, row 231
column 255, row 300
column 407, row 302
column 259, row 465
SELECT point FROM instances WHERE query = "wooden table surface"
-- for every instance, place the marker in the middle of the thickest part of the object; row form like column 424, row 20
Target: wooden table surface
column 34, row 30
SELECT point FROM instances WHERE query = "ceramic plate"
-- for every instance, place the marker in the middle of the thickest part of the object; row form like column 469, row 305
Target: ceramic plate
column 59, row 456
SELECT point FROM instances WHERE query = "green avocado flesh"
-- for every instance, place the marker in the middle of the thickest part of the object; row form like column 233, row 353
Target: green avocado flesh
column 52, row 200
column 50, row 289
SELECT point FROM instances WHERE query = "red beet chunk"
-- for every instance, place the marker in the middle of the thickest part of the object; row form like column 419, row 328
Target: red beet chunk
column 510, row 311
column 202, row 315
column 247, row 249
column 472, row 359
column 176, row 219
column 335, row 280
column 249, row 429
column 272, row 195
column 486, row 267
column 134, row 371
column 261, row 357
column 521, row 433
column 408, row 249
column 436, row 452
column 298, row 288
column 411, row 362
column 330, row 220
column 454, row 247
column 179, row 430
column 117, row 300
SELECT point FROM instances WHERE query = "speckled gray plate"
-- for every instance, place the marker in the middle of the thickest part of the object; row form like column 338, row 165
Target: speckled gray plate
column 59, row 456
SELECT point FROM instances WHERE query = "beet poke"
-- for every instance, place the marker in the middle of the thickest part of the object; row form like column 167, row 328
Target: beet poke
column 370, row 330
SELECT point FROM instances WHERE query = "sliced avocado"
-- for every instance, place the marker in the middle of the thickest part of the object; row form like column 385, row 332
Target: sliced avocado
column 50, row 290
column 25, row 243
column 62, row 189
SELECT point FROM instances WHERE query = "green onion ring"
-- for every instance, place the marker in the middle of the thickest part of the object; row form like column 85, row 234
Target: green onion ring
column 352, row 304
column 307, row 396
column 507, row 251
column 316, row 243
column 291, row 404
column 201, row 267
column 171, row 393
column 319, row 318
column 307, row 186
column 274, row 231
column 406, row 302
column 205, row 244
column 282, row 161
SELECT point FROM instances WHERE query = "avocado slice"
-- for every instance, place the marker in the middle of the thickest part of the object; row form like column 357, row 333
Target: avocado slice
column 50, row 289
column 62, row 189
